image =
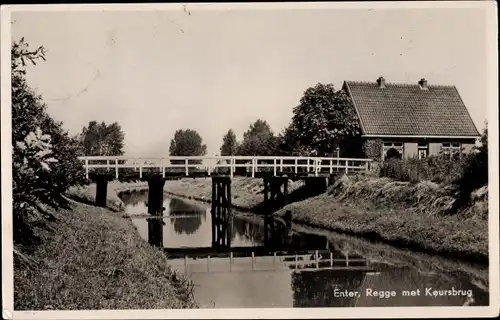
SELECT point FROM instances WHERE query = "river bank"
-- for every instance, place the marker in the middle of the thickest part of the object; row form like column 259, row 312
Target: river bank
column 93, row 258
column 401, row 214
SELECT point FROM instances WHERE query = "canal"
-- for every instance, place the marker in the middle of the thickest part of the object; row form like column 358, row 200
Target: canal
column 271, row 263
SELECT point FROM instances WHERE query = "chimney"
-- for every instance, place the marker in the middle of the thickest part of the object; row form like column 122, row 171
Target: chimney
column 381, row 82
column 423, row 84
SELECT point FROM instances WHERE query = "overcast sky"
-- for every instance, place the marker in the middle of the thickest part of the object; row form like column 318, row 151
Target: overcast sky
column 158, row 71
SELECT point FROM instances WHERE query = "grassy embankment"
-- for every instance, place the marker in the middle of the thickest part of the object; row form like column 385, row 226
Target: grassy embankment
column 93, row 258
column 399, row 213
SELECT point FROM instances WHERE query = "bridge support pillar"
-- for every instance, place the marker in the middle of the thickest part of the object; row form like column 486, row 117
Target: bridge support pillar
column 221, row 212
column 274, row 197
column 155, row 195
column 101, row 181
column 155, row 231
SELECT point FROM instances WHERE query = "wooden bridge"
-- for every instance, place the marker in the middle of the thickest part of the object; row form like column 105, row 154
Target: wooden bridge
column 224, row 165
column 276, row 171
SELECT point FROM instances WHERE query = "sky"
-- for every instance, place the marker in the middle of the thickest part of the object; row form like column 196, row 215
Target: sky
column 154, row 72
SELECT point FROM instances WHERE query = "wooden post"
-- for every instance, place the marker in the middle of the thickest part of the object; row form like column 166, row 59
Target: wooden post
column 285, row 192
column 101, row 191
column 253, row 167
column 274, row 166
column 186, row 161
column 209, row 166
column 116, row 169
column 140, row 170
column 346, row 166
column 155, row 195
column 107, row 165
column 347, row 259
column 214, row 210
column 331, row 259
column 232, row 167
column 162, row 168
column 266, row 190
column 281, row 164
column 296, row 166
column 317, row 259
column 331, row 166
column 87, row 168
column 230, row 261
column 253, row 261
column 185, row 265
column 366, row 166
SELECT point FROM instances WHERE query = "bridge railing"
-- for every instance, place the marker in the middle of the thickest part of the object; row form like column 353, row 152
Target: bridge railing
column 226, row 164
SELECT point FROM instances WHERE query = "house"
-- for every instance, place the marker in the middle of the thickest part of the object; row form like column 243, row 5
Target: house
column 416, row 120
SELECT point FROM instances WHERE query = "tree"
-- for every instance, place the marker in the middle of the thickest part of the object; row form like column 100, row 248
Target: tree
column 99, row 139
column 289, row 144
column 187, row 143
column 44, row 159
column 258, row 140
column 229, row 144
column 327, row 120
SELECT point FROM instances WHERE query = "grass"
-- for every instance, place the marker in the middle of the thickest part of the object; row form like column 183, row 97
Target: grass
column 247, row 193
column 86, row 194
column 403, row 214
column 94, row 259
column 399, row 213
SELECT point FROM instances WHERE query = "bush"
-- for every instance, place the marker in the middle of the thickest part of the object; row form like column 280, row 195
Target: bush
column 372, row 149
column 438, row 169
column 38, row 143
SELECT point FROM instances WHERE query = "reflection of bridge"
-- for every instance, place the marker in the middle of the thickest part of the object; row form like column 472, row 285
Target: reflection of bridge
column 244, row 259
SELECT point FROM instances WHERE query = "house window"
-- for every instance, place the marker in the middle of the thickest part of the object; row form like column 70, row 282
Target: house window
column 393, row 150
column 423, row 150
column 451, row 149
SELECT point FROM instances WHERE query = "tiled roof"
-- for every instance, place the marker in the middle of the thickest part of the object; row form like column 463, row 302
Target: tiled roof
column 406, row 109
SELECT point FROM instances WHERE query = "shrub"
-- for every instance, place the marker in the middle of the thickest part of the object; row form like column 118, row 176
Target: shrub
column 38, row 142
column 373, row 149
column 438, row 169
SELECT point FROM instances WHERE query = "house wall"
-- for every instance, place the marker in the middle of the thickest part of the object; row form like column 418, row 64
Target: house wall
column 410, row 145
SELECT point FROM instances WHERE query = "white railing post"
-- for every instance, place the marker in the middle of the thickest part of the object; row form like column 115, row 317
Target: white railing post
column 140, row 169
column 162, row 168
column 186, row 161
column 254, row 162
column 107, row 165
column 346, row 166
column 274, row 166
column 331, row 166
column 296, row 166
column 87, row 168
column 366, row 166
column 209, row 166
column 116, row 169
column 317, row 164
column 281, row 164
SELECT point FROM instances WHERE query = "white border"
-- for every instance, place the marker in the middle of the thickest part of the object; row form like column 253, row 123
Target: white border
column 375, row 312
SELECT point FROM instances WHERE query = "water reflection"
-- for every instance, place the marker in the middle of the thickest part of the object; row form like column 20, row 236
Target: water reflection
column 185, row 225
column 189, row 226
